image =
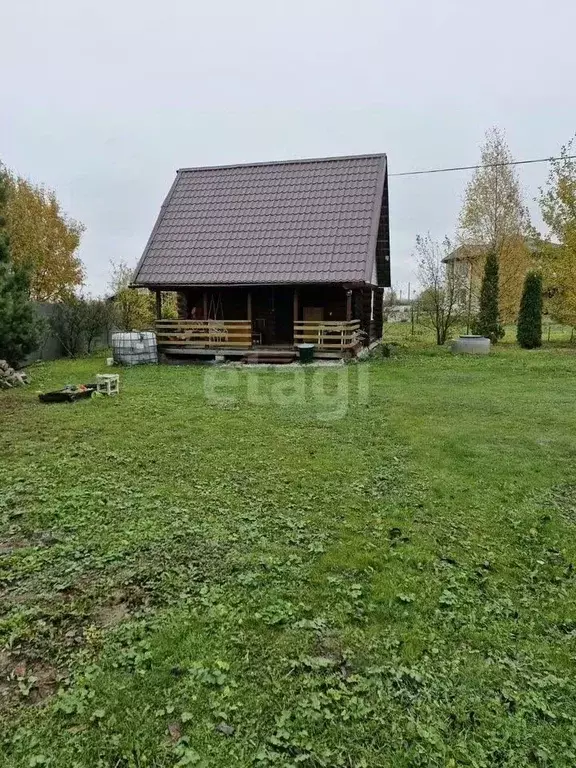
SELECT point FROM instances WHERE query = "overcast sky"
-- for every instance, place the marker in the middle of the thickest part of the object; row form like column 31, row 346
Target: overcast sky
column 104, row 100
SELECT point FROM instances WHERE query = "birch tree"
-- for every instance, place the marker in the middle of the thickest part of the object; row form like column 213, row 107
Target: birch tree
column 495, row 218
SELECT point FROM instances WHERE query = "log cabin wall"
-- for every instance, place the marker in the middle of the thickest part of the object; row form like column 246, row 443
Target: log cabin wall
column 331, row 298
column 214, row 303
column 383, row 242
column 231, row 303
column 263, row 318
column 192, row 304
column 357, row 305
column 378, row 312
column 366, row 318
column 361, row 309
column 368, row 311
column 234, row 301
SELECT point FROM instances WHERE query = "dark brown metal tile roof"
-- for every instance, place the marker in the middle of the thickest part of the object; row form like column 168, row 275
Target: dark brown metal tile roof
column 301, row 221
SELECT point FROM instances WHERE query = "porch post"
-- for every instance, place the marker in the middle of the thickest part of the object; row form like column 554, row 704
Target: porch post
column 158, row 304
column 205, row 304
column 378, row 312
column 296, row 310
column 249, row 305
column 348, row 305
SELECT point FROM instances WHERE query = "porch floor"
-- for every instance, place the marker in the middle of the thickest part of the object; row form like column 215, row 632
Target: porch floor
column 286, row 351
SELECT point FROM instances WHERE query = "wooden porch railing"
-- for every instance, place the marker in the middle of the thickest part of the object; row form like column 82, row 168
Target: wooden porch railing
column 204, row 333
column 327, row 334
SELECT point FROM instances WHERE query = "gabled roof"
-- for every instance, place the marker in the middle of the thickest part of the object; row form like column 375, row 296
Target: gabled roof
column 471, row 251
column 466, row 252
column 301, row 221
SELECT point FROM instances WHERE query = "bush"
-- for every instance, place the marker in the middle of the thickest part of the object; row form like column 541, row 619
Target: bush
column 134, row 309
column 78, row 323
column 99, row 318
column 529, row 331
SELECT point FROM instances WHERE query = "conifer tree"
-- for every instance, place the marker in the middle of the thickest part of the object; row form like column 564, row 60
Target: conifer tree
column 18, row 323
column 487, row 323
column 529, row 332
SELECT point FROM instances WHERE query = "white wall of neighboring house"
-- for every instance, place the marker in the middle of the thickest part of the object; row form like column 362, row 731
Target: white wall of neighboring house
column 399, row 313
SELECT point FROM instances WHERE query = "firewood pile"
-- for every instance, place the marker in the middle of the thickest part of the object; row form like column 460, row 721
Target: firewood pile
column 10, row 378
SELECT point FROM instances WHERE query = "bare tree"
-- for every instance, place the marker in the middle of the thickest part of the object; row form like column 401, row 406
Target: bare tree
column 441, row 284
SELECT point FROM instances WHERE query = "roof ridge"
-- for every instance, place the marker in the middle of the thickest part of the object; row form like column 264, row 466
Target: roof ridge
column 294, row 161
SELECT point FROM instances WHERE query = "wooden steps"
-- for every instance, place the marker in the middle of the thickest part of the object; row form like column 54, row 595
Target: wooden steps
column 270, row 357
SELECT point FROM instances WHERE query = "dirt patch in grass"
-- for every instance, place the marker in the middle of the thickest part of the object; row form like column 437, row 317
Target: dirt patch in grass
column 110, row 615
column 563, row 498
column 11, row 544
column 44, row 680
column 5, row 668
column 11, row 404
column 26, row 682
column 117, row 609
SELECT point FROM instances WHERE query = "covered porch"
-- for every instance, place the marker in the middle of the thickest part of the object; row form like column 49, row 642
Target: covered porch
column 270, row 321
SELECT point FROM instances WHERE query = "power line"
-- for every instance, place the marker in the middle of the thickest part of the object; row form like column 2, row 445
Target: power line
column 483, row 165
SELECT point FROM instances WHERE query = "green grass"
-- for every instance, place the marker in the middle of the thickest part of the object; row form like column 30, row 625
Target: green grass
column 422, row 335
column 241, row 582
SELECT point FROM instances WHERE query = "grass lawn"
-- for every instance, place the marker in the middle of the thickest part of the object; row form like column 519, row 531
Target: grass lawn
column 197, row 581
column 423, row 335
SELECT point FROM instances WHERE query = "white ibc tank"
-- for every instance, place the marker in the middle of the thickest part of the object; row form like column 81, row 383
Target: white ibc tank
column 134, row 348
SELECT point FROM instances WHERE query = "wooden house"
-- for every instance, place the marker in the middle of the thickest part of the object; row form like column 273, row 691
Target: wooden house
column 266, row 256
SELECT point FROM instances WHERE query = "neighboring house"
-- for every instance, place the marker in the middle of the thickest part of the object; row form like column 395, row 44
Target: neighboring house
column 268, row 255
column 398, row 313
column 467, row 261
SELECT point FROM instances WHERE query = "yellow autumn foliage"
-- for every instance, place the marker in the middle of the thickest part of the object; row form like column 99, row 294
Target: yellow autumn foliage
column 558, row 205
column 44, row 239
column 494, row 217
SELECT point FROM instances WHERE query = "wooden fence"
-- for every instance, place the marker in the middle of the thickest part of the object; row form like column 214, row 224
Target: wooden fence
column 204, row 333
column 327, row 334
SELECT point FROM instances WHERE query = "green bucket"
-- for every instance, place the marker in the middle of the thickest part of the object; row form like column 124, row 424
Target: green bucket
column 306, row 352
